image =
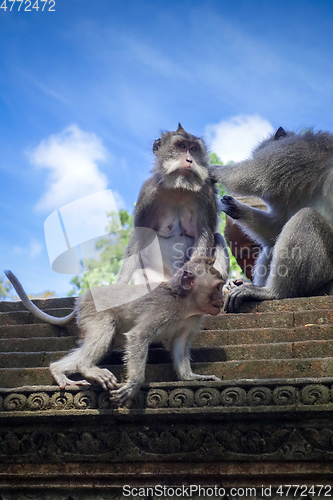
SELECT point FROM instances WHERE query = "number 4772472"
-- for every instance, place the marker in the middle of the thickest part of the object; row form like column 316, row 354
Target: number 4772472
column 28, row 5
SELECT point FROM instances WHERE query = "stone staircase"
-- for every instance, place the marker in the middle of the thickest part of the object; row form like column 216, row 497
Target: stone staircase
column 268, row 422
column 291, row 338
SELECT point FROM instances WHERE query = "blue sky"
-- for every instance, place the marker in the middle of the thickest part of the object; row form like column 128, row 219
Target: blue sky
column 85, row 90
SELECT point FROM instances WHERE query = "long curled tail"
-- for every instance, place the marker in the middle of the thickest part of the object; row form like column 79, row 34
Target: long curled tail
column 34, row 309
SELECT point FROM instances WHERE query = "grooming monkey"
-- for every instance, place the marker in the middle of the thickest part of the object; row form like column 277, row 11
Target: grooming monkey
column 170, row 313
column 293, row 174
column 178, row 203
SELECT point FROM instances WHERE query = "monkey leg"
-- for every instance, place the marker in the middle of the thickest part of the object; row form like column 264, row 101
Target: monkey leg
column 181, row 358
column 262, row 266
column 136, row 357
column 221, row 255
column 302, row 261
column 99, row 328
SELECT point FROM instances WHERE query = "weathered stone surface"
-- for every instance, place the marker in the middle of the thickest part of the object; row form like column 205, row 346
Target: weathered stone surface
column 299, row 304
column 267, row 423
column 45, row 304
column 38, row 330
column 284, row 319
column 25, row 317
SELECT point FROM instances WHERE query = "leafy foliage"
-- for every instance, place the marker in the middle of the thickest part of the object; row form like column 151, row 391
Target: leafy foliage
column 5, row 288
column 235, row 270
column 104, row 270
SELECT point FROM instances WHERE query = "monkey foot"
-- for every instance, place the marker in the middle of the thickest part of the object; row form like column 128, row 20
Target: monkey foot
column 79, row 382
column 102, row 376
column 195, row 376
column 125, row 392
column 64, row 381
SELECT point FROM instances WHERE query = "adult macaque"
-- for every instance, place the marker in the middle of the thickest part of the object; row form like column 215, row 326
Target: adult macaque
column 293, row 174
column 178, row 204
column 170, row 313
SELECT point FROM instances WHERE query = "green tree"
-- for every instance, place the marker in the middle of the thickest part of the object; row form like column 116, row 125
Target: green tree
column 104, row 270
column 5, row 288
column 235, row 270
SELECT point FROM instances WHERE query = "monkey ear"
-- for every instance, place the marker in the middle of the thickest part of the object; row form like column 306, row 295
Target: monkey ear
column 279, row 133
column 156, row 146
column 187, row 280
column 180, row 128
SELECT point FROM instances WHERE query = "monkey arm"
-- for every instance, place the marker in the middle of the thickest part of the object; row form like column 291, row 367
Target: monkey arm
column 146, row 208
column 137, row 343
column 262, row 226
column 206, row 224
column 221, row 256
column 181, row 351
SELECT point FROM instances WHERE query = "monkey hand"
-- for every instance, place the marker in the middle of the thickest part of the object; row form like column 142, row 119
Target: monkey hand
column 230, row 206
column 231, row 285
column 125, row 392
column 246, row 292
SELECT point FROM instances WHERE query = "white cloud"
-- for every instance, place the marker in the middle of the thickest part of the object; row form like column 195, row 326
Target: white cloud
column 71, row 158
column 76, row 190
column 234, row 139
column 32, row 250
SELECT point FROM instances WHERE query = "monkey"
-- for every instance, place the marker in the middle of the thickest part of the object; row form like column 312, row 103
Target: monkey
column 178, row 205
column 171, row 313
column 293, row 174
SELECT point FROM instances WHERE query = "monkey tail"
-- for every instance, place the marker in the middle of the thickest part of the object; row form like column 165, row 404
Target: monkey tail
column 34, row 309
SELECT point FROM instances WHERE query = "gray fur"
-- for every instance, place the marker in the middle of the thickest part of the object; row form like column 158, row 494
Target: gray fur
column 171, row 313
column 178, row 203
column 293, row 174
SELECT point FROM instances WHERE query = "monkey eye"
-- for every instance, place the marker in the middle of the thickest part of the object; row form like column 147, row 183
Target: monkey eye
column 182, row 145
column 193, row 148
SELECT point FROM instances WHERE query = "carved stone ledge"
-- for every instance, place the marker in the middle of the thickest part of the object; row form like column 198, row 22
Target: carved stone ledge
column 224, row 397
column 211, row 441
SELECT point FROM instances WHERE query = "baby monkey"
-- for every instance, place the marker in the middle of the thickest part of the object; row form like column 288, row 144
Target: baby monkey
column 170, row 313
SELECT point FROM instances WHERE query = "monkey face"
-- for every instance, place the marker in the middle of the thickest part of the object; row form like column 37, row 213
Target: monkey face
column 216, row 298
column 181, row 160
column 209, row 297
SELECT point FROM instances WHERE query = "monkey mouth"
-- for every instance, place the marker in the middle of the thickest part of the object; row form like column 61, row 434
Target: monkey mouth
column 216, row 308
column 185, row 171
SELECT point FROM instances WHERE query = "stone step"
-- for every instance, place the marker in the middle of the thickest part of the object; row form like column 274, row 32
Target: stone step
column 279, row 313
column 228, row 370
column 27, row 318
column 283, row 319
column 38, row 330
column 37, row 344
column 44, row 304
column 262, row 335
column 303, row 303
column 299, row 304
column 11, row 335
column 277, row 351
column 156, row 355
